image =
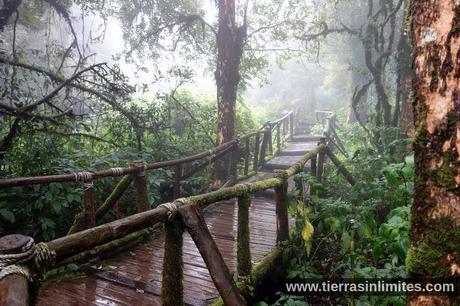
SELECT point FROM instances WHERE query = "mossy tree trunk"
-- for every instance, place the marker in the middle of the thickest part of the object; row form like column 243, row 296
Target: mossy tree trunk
column 435, row 225
column 230, row 39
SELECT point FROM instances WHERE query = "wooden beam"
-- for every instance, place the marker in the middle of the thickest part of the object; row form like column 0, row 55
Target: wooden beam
column 140, row 183
column 76, row 243
column 112, row 172
column 282, row 218
column 14, row 288
column 196, row 226
column 320, row 161
column 278, row 137
column 256, row 153
column 247, row 155
column 348, row 176
column 243, row 250
column 88, row 204
column 172, row 287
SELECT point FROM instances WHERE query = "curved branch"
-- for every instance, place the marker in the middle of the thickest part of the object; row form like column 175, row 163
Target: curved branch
column 56, row 78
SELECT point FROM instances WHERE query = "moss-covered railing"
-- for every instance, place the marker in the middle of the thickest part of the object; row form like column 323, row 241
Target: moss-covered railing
column 19, row 252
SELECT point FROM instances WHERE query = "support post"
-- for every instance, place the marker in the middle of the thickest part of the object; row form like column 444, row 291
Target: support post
column 243, row 250
column 266, row 140
column 256, row 153
column 291, row 126
column 270, row 142
column 284, row 128
column 172, row 287
column 178, row 169
column 320, row 165
column 282, row 219
column 140, row 183
column 196, row 226
column 234, row 162
column 278, row 137
column 247, row 156
column 88, row 203
column 14, row 288
column 313, row 171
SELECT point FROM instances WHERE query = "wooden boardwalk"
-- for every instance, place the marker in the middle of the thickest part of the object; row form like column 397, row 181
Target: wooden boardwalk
column 134, row 277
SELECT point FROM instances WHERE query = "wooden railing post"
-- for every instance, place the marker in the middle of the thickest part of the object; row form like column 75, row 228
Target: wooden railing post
column 281, row 202
column 88, row 203
column 247, row 155
column 278, row 137
column 270, row 141
column 178, row 169
column 234, row 162
column 313, row 171
column 291, row 126
column 172, row 287
column 243, row 250
column 198, row 230
column 256, row 153
column 320, row 165
column 140, row 183
column 14, row 288
column 266, row 140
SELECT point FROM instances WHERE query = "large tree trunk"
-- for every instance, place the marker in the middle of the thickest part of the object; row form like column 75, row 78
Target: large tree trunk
column 435, row 225
column 230, row 40
column 229, row 44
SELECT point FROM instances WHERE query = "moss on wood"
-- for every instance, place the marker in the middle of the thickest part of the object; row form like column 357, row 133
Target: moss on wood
column 428, row 256
column 243, row 241
column 172, row 290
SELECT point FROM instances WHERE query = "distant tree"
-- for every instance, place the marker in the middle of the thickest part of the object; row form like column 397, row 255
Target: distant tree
column 373, row 34
column 235, row 45
column 49, row 86
column 434, row 250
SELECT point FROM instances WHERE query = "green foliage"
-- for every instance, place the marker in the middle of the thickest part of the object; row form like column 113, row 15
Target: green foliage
column 175, row 126
column 359, row 232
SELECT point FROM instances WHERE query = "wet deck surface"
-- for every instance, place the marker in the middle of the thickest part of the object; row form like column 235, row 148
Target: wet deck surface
column 134, row 277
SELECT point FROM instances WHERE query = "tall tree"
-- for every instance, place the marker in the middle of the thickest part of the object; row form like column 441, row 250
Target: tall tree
column 435, row 225
column 372, row 28
column 230, row 39
column 235, row 44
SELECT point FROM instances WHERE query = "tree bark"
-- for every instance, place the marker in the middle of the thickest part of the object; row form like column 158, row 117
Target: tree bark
column 230, row 40
column 403, row 114
column 435, row 224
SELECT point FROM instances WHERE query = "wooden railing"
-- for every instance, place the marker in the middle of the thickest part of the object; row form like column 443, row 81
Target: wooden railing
column 182, row 213
column 248, row 148
column 329, row 121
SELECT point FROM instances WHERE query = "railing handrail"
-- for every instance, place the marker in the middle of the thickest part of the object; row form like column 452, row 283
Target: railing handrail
column 114, row 172
column 75, row 243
